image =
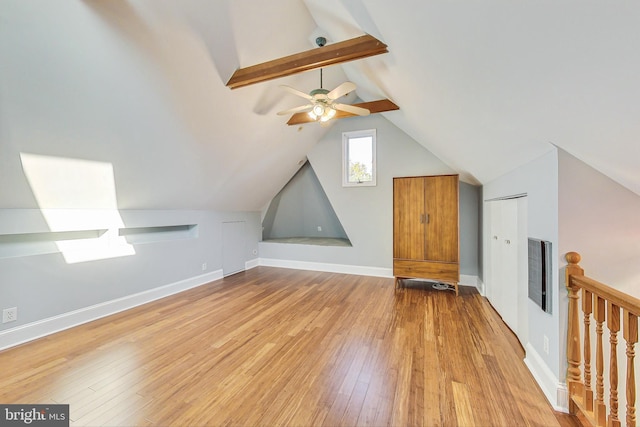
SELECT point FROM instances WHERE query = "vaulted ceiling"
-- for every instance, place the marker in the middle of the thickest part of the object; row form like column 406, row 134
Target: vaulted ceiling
column 140, row 84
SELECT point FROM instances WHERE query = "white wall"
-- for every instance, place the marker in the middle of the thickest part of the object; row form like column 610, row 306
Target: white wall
column 600, row 219
column 539, row 181
column 366, row 213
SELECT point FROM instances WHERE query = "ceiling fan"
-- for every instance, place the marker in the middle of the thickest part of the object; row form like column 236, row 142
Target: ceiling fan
column 323, row 56
column 322, row 106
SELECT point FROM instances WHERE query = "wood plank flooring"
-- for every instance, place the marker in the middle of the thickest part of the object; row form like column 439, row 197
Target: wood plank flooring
column 278, row 347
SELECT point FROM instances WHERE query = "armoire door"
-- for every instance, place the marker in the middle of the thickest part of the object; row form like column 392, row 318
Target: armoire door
column 408, row 218
column 441, row 219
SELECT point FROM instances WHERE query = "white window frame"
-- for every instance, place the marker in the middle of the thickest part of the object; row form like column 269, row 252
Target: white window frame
column 346, row 137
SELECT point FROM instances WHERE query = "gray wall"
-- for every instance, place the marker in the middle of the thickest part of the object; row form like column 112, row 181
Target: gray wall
column 45, row 285
column 366, row 213
column 539, row 181
column 470, row 206
column 300, row 208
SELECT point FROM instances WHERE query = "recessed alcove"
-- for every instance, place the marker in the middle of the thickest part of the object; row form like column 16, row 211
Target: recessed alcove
column 318, row 241
column 301, row 213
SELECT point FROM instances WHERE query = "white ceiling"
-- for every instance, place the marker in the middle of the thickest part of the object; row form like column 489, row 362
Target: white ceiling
column 486, row 86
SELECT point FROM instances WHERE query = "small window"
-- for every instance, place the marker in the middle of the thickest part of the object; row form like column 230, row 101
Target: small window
column 359, row 158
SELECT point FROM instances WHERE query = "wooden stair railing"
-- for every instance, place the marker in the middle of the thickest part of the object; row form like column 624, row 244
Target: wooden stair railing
column 602, row 303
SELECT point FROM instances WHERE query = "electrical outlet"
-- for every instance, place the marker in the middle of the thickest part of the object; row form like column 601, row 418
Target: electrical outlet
column 204, row 266
column 9, row 315
column 319, row 228
column 545, row 344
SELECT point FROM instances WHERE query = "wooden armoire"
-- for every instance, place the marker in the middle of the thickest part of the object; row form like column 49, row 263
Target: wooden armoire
column 426, row 229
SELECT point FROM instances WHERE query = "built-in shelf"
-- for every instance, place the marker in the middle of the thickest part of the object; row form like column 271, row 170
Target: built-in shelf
column 27, row 244
column 136, row 235
column 50, row 236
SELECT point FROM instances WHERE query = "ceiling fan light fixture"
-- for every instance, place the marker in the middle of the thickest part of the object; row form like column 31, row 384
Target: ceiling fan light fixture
column 328, row 114
column 321, row 112
column 318, row 110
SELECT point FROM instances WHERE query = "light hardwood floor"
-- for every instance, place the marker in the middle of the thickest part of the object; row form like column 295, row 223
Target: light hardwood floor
column 286, row 347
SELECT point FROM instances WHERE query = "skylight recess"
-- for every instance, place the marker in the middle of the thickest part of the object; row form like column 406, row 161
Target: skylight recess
column 74, row 195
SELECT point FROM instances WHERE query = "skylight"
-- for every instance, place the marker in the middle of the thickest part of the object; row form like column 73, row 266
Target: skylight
column 76, row 194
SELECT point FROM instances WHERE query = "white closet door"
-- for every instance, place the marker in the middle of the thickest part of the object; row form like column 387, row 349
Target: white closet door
column 495, row 274
column 233, row 247
column 503, row 293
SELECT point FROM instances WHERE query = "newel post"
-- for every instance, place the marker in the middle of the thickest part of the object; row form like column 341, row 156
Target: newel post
column 573, row 333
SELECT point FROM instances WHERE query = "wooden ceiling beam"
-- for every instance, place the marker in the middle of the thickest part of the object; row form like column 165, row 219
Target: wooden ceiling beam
column 331, row 54
column 379, row 106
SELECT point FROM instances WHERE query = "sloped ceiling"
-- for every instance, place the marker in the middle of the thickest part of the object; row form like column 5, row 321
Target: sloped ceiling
column 141, row 84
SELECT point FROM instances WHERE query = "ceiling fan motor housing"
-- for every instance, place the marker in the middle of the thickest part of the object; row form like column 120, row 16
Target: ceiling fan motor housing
column 319, row 92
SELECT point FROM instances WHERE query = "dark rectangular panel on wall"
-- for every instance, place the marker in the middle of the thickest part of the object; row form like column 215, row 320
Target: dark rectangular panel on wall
column 540, row 272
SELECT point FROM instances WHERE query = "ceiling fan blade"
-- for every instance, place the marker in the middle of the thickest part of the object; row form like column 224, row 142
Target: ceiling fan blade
column 300, row 109
column 341, row 90
column 352, row 109
column 296, row 92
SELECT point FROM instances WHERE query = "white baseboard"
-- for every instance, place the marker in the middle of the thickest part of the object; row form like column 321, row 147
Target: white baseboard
column 468, row 280
column 465, row 280
column 553, row 389
column 252, row 263
column 482, row 290
column 31, row 331
column 329, row 268
column 563, row 398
